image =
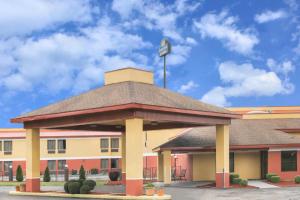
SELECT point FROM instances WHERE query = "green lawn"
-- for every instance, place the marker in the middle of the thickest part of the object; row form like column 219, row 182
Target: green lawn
column 52, row 183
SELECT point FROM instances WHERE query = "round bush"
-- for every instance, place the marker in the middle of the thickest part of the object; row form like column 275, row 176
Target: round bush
column 114, row 176
column 66, row 187
column 268, row 176
column 232, row 176
column 297, row 179
column 74, row 187
column 275, row 179
column 243, row 182
column 90, row 183
column 85, row 189
column 236, row 181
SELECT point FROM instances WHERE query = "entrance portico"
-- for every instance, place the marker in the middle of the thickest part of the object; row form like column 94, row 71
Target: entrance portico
column 130, row 103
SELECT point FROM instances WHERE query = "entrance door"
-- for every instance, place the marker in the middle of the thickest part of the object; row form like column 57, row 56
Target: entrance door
column 263, row 164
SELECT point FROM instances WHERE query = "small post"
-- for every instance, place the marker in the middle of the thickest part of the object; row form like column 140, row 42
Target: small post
column 165, row 74
column 66, row 173
column 10, row 173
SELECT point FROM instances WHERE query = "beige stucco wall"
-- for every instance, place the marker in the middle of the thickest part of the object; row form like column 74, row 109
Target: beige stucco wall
column 204, row 167
column 247, row 164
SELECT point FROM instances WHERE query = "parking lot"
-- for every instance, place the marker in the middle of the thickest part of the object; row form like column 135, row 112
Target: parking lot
column 287, row 193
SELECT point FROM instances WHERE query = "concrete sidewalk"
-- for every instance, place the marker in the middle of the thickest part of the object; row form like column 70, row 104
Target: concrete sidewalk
column 261, row 184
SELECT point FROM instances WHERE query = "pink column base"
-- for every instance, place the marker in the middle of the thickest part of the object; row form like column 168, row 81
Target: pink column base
column 222, row 180
column 134, row 187
column 33, row 185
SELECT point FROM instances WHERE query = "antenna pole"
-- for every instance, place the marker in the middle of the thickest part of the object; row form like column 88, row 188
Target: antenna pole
column 165, row 74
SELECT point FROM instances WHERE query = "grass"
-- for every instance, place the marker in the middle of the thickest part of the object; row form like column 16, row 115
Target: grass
column 52, row 183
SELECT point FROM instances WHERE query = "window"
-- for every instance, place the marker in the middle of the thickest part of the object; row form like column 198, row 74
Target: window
column 114, row 163
column 61, row 146
column 51, row 146
column 288, row 161
column 114, row 143
column 0, row 145
column 52, row 165
column 7, row 164
column 231, row 161
column 61, row 166
column 7, row 147
column 104, row 164
column 104, row 144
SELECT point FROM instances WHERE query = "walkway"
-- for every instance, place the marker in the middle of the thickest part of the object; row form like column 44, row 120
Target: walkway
column 261, row 184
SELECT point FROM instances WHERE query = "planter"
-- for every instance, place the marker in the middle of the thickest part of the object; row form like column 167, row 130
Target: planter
column 114, row 176
column 23, row 188
column 149, row 191
column 160, row 192
column 17, row 188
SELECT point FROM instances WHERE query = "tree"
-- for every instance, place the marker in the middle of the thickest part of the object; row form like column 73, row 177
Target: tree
column 19, row 173
column 81, row 173
column 47, row 177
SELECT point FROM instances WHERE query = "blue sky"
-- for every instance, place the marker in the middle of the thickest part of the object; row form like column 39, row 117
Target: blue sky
column 229, row 53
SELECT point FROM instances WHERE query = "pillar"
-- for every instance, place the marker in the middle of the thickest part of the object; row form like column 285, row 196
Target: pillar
column 123, row 139
column 222, row 156
column 160, row 167
column 167, row 167
column 134, row 156
column 32, row 160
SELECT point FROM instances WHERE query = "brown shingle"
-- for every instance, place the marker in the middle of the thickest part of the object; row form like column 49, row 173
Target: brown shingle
column 242, row 132
column 125, row 93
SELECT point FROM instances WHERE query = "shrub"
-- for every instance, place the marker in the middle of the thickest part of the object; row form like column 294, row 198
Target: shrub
column 94, row 171
column 73, row 171
column 47, row 177
column 236, row 181
column 85, row 189
column 268, row 176
column 149, row 185
column 243, row 182
column 275, row 179
column 90, row 183
column 297, row 179
column 19, row 173
column 81, row 173
column 114, row 176
column 66, row 187
column 74, row 187
column 232, row 176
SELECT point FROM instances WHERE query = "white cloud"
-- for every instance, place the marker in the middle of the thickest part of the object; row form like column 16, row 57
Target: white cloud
column 223, row 27
column 154, row 15
column 243, row 80
column 188, row 86
column 269, row 15
column 283, row 68
column 73, row 62
column 23, row 17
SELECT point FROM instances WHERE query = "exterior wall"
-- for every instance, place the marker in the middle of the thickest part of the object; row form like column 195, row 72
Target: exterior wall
column 155, row 138
column 204, row 167
column 247, row 164
column 274, row 165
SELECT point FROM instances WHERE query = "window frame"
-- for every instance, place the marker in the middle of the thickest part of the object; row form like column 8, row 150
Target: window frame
column 5, row 151
column 104, row 149
column 231, row 162
column 117, row 163
column 51, row 151
column 63, row 150
column 111, row 146
column 107, row 167
column 288, row 165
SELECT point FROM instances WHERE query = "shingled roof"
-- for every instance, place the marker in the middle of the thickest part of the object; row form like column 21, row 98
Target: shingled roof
column 126, row 93
column 242, row 132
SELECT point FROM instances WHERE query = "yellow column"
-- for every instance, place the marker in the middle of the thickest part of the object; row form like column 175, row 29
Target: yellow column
column 167, row 167
column 123, row 138
column 160, row 168
column 32, row 160
column 134, row 156
column 222, row 156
